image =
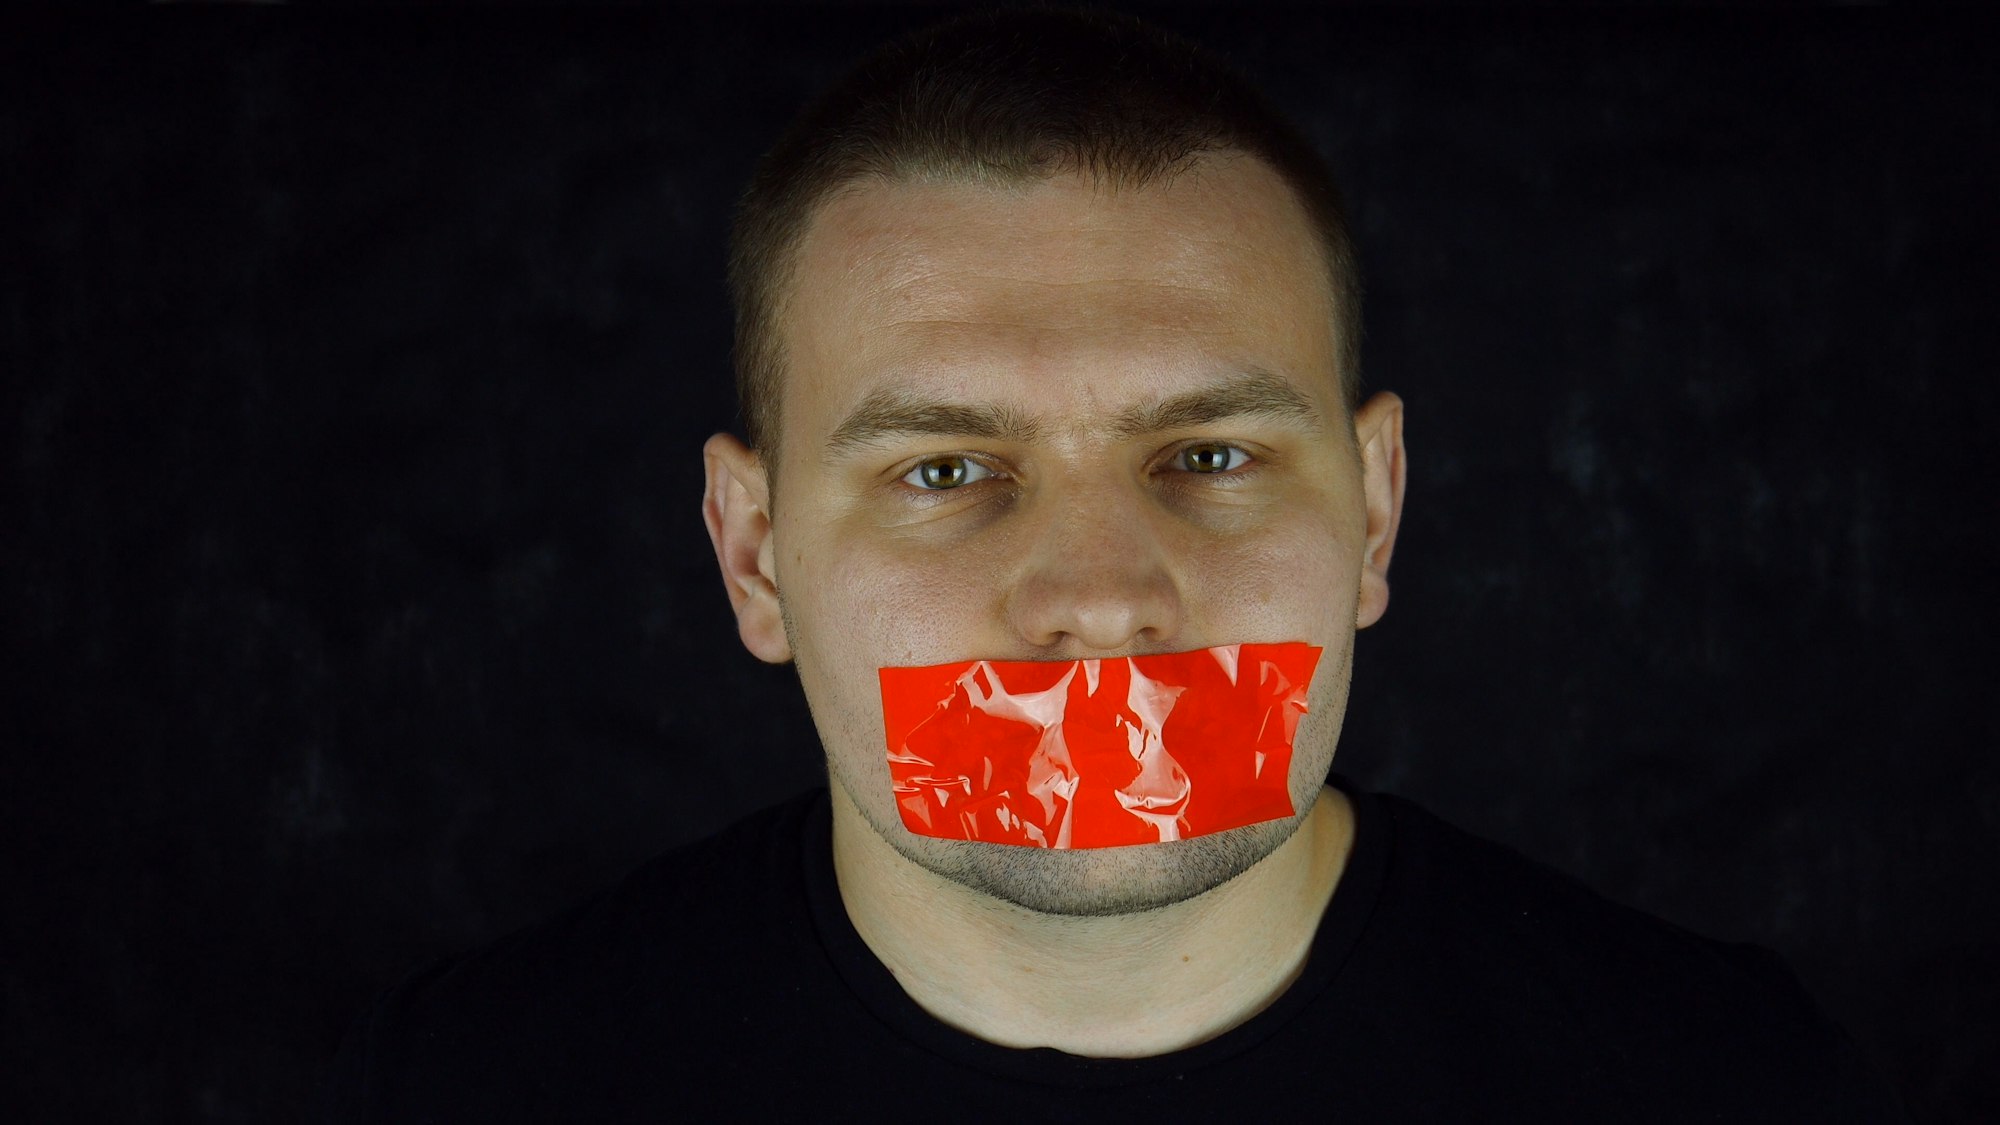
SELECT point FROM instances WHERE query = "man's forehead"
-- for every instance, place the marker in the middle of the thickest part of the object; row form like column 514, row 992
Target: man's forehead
column 942, row 282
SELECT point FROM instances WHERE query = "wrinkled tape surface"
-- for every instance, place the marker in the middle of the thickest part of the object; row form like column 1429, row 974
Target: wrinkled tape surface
column 1096, row 753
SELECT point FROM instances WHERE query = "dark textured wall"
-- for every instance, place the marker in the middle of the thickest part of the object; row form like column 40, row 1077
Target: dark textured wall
column 357, row 606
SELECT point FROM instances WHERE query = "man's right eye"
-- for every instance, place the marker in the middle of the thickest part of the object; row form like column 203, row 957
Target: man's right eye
column 941, row 473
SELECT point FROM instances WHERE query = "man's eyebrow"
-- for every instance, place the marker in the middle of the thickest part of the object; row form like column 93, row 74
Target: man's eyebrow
column 897, row 413
column 893, row 413
column 1254, row 393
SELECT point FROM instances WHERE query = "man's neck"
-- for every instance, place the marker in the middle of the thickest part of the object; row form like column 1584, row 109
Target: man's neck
column 1125, row 986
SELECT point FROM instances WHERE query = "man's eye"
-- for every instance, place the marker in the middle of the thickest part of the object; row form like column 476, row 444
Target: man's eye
column 941, row 473
column 1213, row 458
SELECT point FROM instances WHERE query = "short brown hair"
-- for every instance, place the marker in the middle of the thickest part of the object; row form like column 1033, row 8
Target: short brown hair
column 1008, row 97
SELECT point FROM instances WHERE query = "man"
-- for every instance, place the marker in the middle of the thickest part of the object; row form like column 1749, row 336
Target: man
column 1047, row 340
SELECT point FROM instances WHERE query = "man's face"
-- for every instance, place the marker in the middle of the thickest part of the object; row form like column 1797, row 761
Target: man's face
column 1050, row 422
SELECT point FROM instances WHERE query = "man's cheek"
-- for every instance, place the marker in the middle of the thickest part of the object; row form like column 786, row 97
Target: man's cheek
column 894, row 606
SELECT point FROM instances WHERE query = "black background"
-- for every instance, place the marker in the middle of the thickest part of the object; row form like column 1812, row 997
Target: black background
column 357, row 606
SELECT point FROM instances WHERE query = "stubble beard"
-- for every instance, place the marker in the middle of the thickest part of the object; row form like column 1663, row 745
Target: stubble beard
column 1087, row 882
column 1106, row 882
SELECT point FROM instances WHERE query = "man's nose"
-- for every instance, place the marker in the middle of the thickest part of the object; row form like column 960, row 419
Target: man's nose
column 1099, row 577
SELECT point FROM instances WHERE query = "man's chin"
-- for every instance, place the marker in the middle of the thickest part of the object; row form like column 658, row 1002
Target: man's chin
column 1089, row 882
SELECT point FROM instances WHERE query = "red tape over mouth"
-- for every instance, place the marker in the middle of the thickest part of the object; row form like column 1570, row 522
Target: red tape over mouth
column 1096, row 753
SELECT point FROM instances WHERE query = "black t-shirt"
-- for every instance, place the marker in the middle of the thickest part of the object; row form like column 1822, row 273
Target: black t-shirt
column 1451, row 980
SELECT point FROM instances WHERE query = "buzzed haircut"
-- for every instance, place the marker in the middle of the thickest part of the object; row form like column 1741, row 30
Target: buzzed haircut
column 1012, row 97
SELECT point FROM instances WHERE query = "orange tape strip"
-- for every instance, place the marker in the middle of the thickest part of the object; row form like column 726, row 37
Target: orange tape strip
column 1096, row 753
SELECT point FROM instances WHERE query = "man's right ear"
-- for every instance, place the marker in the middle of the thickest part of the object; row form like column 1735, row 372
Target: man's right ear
column 736, row 506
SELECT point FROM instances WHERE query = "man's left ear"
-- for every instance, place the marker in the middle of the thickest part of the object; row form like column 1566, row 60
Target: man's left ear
column 1378, row 430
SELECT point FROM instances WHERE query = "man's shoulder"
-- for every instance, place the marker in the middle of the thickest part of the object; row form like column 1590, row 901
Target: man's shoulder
column 698, row 893
column 1442, row 873
column 1513, row 951
column 624, row 970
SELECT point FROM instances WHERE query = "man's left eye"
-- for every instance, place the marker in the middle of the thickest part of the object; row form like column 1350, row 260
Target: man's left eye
column 1213, row 457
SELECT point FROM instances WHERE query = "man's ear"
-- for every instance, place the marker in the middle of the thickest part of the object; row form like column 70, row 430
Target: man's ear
column 736, row 506
column 1378, row 430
